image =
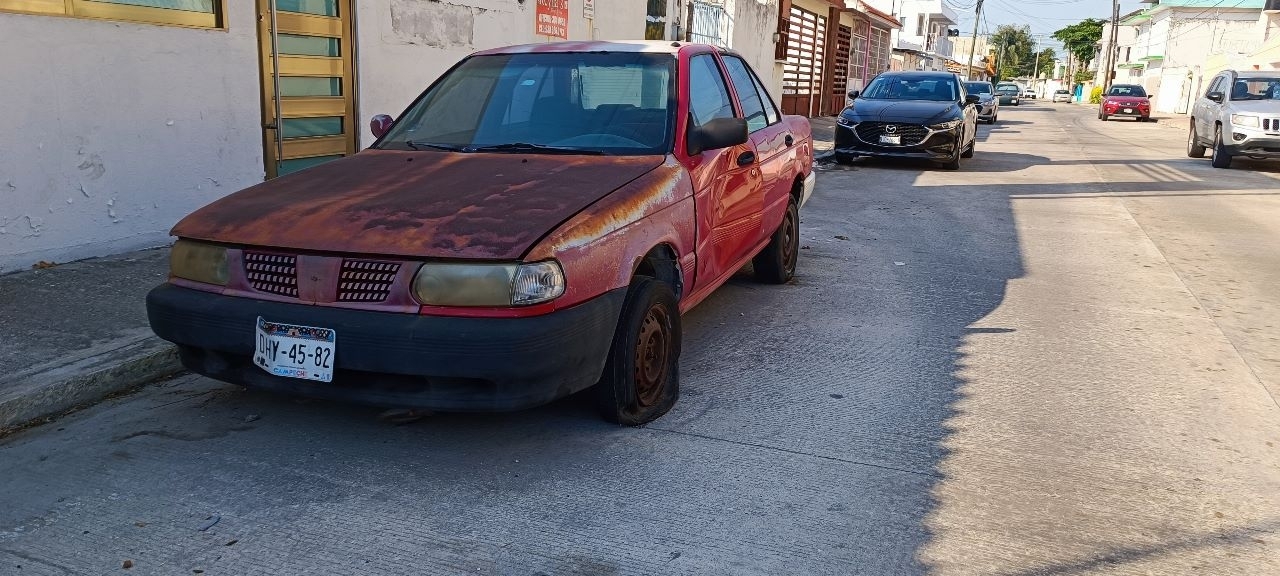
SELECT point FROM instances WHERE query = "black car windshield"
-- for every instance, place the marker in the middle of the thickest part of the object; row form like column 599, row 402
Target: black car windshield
column 912, row 87
column 978, row 87
column 1135, row 91
column 600, row 102
column 1256, row 89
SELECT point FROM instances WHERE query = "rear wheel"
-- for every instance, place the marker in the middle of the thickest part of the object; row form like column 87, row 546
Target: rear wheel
column 641, row 379
column 1194, row 149
column 1221, row 157
column 776, row 264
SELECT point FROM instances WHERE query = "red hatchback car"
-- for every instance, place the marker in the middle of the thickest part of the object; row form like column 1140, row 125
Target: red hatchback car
column 1125, row 100
column 532, row 225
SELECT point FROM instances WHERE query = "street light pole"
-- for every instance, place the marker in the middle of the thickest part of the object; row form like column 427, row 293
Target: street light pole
column 973, row 42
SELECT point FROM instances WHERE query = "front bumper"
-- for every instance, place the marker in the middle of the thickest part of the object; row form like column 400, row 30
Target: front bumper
column 1256, row 144
column 806, row 191
column 987, row 111
column 1132, row 111
column 396, row 359
column 936, row 146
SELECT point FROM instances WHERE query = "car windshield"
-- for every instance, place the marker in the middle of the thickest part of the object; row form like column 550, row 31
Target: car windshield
column 1006, row 88
column 600, row 102
column 1061, row 92
column 912, row 87
column 1256, row 89
column 978, row 87
column 1135, row 91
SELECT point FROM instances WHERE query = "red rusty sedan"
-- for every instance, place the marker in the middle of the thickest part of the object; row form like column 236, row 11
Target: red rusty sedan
column 533, row 225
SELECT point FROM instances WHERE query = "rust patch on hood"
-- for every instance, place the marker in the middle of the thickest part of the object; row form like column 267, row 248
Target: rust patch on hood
column 417, row 204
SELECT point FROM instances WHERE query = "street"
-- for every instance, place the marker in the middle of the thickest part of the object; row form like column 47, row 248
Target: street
column 1062, row 359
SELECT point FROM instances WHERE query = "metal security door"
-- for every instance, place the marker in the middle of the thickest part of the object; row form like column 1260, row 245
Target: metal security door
column 802, row 72
column 840, row 73
column 308, row 82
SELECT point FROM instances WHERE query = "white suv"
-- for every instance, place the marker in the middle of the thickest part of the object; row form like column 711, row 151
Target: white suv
column 1239, row 115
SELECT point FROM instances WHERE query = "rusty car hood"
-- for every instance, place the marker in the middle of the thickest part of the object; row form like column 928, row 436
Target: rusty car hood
column 417, row 204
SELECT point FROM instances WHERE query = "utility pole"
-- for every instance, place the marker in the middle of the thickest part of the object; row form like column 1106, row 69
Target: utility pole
column 1035, row 53
column 973, row 43
column 1112, row 50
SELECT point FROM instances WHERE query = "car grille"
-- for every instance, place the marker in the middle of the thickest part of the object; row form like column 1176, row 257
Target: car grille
column 366, row 280
column 1271, row 124
column 912, row 134
column 272, row 273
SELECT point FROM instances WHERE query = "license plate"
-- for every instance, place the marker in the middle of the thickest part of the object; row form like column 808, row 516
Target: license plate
column 887, row 139
column 1128, row 110
column 295, row 351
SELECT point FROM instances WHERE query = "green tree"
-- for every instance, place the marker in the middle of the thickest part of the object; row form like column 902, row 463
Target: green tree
column 1081, row 39
column 1013, row 48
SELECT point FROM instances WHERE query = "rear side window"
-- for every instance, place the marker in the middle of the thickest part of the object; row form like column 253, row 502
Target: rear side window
column 748, row 96
column 708, row 96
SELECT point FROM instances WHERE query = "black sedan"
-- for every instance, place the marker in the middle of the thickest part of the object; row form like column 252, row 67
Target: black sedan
column 924, row 115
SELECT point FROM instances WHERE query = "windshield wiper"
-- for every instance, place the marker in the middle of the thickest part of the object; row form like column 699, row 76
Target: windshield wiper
column 538, row 148
column 418, row 145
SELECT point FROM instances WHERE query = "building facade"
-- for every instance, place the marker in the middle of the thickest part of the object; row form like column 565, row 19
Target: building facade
column 831, row 47
column 131, row 113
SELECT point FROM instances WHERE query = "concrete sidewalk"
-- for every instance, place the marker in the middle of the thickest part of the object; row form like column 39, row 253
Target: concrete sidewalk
column 75, row 333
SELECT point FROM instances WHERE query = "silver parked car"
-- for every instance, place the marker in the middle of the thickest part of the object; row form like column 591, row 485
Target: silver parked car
column 988, row 104
column 1239, row 115
column 1061, row 96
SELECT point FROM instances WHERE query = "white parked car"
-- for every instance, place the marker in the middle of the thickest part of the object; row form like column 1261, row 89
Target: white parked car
column 1239, row 115
column 1061, row 96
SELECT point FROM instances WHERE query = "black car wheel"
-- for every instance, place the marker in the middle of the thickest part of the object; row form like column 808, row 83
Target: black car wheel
column 968, row 152
column 953, row 163
column 641, row 379
column 1194, row 148
column 776, row 264
column 1221, row 158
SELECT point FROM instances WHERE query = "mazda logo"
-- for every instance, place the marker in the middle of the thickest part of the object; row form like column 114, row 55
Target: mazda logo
column 891, row 128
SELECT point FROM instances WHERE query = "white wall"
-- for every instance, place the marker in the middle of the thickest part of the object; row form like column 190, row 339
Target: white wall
column 404, row 45
column 754, row 23
column 113, row 131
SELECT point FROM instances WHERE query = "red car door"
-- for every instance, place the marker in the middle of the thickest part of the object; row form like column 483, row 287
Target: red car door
column 772, row 140
column 727, row 182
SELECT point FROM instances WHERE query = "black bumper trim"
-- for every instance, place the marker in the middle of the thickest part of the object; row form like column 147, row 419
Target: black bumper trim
column 404, row 360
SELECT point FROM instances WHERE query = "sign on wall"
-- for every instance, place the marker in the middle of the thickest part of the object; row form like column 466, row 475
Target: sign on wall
column 552, row 18
column 588, row 9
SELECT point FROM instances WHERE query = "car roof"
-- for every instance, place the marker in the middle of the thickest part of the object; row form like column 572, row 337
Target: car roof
column 1258, row 74
column 918, row 74
column 646, row 46
column 1114, row 86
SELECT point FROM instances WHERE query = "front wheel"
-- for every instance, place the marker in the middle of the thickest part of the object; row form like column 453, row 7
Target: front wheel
column 968, row 152
column 641, row 379
column 953, row 163
column 776, row 264
column 1221, row 157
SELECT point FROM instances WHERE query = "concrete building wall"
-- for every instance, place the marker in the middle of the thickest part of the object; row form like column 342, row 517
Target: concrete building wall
column 754, row 23
column 111, row 131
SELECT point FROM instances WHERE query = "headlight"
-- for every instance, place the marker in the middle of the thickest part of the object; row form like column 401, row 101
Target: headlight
column 847, row 123
column 198, row 262
column 440, row 284
column 1244, row 120
column 947, row 125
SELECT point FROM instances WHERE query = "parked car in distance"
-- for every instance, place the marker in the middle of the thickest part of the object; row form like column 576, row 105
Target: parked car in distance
column 1029, row 94
column 1008, row 94
column 925, row 115
column 1061, row 96
column 531, row 226
column 1239, row 115
column 988, row 105
column 1125, row 100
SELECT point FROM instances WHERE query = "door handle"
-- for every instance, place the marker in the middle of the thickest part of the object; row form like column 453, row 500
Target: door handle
column 789, row 141
column 746, row 158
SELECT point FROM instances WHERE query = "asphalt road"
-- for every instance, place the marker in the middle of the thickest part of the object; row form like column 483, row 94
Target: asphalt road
column 1063, row 359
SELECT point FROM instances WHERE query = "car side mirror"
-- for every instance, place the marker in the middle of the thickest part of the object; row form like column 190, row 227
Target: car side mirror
column 380, row 125
column 853, row 94
column 716, row 134
column 972, row 99
column 1216, row 96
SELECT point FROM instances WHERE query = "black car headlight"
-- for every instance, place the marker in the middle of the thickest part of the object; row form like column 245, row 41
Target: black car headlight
column 847, row 123
column 948, row 125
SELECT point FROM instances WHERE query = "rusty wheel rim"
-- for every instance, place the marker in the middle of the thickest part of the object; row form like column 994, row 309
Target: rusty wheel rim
column 790, row 242
column 652, row 351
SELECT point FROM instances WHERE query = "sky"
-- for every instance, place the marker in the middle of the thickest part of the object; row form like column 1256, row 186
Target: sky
column 1044, row 16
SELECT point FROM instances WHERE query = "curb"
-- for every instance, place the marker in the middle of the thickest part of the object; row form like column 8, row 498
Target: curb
column 85, row 378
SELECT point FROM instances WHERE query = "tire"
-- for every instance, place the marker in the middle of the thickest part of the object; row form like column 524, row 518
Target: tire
column 968, row 152
column 1103, row 117
column 954, row 162
column 641, row 379
column 776, row 264
column 1221, row 158
column 1194, row 149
